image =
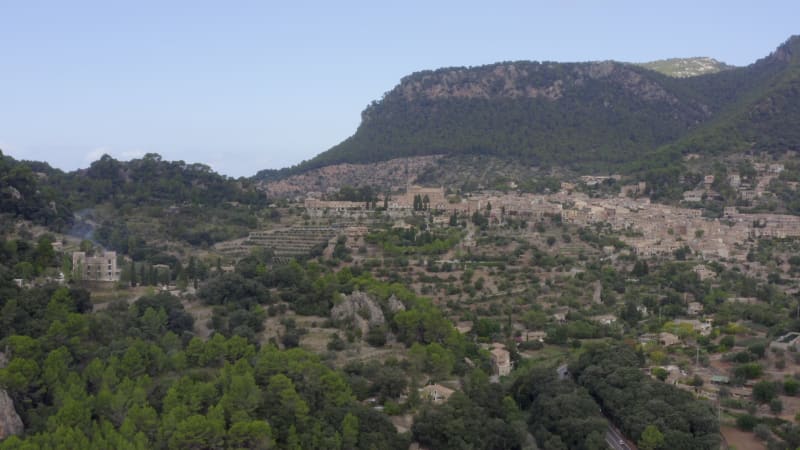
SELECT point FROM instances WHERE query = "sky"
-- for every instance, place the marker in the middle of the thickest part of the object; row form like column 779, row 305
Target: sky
column 250, row 85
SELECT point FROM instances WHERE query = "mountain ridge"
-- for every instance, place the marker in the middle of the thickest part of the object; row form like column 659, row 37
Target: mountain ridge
column 601, row 115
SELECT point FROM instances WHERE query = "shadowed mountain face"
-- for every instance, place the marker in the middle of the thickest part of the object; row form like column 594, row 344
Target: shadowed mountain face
column 587, row 116
column 761, row 106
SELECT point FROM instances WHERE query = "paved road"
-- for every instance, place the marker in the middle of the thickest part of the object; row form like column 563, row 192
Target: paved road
column 615, row 440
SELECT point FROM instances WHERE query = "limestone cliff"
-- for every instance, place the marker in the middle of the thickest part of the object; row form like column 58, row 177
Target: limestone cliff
column 10, row 422
column 359, row 307
column 585, row 116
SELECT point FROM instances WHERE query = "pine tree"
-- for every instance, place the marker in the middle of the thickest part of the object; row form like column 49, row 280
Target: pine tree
column 651, row 439
column 349, row 432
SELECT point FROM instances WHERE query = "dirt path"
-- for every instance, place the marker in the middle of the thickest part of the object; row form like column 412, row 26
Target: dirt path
column 101, row 300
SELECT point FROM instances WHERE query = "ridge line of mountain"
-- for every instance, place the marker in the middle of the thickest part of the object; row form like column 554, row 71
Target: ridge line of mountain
column 589, row 116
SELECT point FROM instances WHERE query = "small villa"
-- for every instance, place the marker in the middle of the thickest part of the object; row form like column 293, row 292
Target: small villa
column 786, row 341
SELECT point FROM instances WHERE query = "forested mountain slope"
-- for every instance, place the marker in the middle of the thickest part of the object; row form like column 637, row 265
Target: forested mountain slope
column 764, row 106
column 122, row 204
column 588, row 116
column 26, row 195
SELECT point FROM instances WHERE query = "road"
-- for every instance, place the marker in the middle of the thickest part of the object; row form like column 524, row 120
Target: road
column 615, row 440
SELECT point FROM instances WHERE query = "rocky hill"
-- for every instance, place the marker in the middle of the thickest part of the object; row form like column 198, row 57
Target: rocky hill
column 586, row 116
column 577, row 113
column 686, row 67
column 384, row 175
column 10, row 422
column 25, row 193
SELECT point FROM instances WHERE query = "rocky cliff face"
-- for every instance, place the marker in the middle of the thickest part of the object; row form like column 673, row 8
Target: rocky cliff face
column 686, row 67
column 361, row 309
column 550, row 81
column 395, row 305
column 383, row 175
column 547, row 113
column 10, row 422
column 587, row 117
column 789, row 51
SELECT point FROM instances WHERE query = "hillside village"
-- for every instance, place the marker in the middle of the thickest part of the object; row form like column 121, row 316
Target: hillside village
column 532, row 280
column 644, row 230
column 651, row 228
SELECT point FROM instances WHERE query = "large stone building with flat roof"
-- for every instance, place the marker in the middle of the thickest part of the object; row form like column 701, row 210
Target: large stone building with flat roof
column 100, row 267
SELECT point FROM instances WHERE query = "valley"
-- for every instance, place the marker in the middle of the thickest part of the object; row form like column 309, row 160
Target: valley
column 522, row 255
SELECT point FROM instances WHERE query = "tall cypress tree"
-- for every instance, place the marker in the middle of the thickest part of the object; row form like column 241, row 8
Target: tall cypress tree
column 133, row 274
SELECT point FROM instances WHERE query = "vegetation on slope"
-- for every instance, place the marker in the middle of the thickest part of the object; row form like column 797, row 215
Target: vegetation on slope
column 588, row 116
column 25, row 195
column 635, row 401
column 764, row 112
column 592, row 113
column 686, row 67
column 128, row 206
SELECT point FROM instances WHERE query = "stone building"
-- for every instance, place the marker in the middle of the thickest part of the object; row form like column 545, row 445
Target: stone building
column 100, row 267
column 436, row 393
column 668, row 339
column 501, row 360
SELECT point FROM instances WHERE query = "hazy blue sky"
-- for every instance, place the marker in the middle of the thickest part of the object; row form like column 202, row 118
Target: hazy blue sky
column 243, row 86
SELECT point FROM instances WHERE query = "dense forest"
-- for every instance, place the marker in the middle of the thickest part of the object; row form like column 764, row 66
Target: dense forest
column 565, row 413
column 130, row 378
column 25, row 195
column 133, row 206
column 634, row 401
column 763, row 106
column 135, row 375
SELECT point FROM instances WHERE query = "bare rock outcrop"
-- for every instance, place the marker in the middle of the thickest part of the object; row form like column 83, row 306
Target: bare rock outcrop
column 395, row 305
column 10, row 422
column 359, row 307
column 382, row 175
